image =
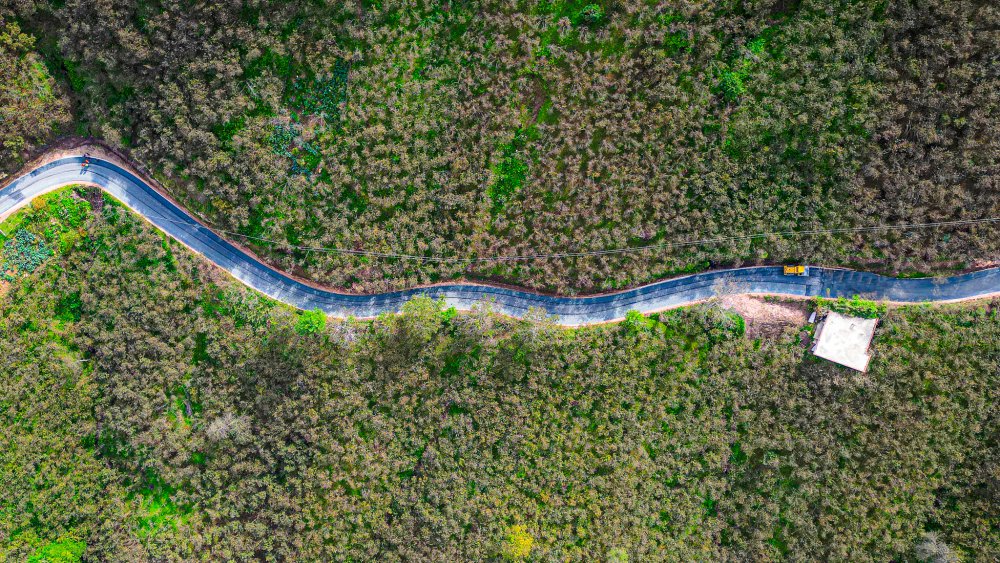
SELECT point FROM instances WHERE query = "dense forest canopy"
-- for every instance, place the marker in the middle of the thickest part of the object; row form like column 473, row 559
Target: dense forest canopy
column 153, row 409
column 31, row 108
column 485, row 128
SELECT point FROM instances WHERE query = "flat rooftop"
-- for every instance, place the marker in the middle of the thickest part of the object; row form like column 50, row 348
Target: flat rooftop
column 845, row 340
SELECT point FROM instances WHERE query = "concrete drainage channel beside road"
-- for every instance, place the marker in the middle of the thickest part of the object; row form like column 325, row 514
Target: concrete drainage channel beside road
column 166, row 215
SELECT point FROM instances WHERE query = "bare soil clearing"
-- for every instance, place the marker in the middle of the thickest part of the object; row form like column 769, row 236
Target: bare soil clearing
column 767, row 316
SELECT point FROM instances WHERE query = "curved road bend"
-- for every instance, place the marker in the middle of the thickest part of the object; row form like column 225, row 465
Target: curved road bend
column 570, row 311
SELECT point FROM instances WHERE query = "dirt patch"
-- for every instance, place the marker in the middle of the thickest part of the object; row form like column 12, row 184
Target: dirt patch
column 982, row 265
column 767, row 316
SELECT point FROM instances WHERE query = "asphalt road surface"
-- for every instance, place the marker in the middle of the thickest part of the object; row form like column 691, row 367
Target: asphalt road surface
column 570, row 311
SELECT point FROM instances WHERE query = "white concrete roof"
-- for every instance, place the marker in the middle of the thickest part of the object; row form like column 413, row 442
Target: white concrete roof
column 845, row 340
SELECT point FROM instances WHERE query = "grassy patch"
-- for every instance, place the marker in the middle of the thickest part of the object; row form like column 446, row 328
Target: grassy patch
column 156, row 513
column 510, row 171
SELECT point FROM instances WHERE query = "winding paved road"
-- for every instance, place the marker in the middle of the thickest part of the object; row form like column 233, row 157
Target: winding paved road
column 571, row 311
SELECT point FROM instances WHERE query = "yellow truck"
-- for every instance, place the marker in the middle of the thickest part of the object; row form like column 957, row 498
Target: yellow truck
column 796, row 271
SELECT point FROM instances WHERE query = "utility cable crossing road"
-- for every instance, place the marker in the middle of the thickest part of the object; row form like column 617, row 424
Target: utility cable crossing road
column 571, row 311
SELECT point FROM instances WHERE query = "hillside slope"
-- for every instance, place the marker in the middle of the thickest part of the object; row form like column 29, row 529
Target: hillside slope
column 151, row 409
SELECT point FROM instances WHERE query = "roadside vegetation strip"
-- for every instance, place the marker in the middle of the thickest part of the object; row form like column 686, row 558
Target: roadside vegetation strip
column 177, row 223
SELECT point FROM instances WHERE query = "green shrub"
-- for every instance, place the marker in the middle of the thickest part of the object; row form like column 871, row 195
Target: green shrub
column 246, row 307
column 510, row 175
column 590, row 14
column 635, row 322
column 157, row 513
column 676, row 43
column 732, row 85
column 855, row 307
column 739, row 325
column 449, row 314
column 733, row 79
column 757, row 46
column 68, row 307
column 311, row 322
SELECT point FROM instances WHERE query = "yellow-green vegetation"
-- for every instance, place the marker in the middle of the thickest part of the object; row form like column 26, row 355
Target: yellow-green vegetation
column 153, row 409
column 62, row 551
column 854, row 306
column 518, row 544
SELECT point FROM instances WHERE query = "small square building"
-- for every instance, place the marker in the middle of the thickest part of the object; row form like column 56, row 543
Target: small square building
column 845, row 340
